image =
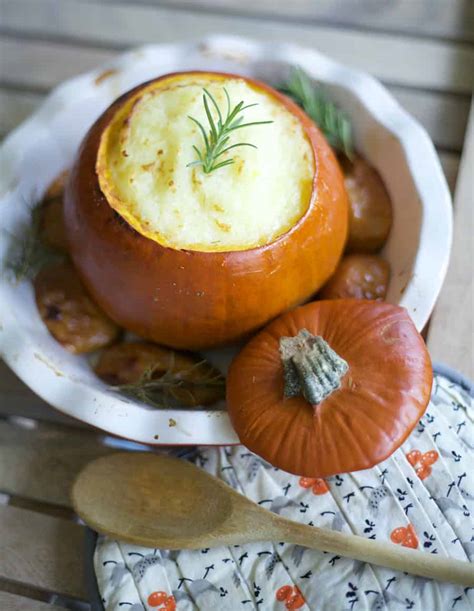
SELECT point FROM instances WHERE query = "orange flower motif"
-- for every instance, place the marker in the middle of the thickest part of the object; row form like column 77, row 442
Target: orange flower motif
column 306, row 482
column 162, row 600
column 292, row 597
column 170, row 604
column 422, row 462
column 413, row 457
column 283, row 593
column 405, row 536
column 296, row 601
column 317, row 484
column 157, row 598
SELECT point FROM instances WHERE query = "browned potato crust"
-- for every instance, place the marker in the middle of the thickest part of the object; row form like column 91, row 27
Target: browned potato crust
column 370, row 209
column 359, row 277
column 128, row 364
column 51, row 224
column 56, row 188
column 69, row 313
column 52, row 231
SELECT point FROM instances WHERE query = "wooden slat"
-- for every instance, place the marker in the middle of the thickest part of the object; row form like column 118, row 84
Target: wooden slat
column 13, row 602
column 41, row 463
column 451, row 336
column 42, row 551
column 444, row 116
column 452, row 19
column 450, row 163
column 422, row 63
column 15, row 107
column 16, row 399
column 38, row 64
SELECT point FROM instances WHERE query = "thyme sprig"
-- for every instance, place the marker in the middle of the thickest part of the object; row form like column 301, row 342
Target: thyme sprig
column 216, row 139
column 332, row 121
column 171, row 388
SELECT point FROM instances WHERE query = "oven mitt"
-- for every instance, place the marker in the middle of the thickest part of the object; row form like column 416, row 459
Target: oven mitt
column 422, row 497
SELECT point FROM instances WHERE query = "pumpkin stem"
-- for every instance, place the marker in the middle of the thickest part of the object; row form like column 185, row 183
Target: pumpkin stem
column 311, row 367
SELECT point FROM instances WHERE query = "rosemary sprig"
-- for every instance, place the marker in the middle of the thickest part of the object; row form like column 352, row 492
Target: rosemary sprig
column 172, row 388
column 216, row 140
column 328, row 117
column 29, row 254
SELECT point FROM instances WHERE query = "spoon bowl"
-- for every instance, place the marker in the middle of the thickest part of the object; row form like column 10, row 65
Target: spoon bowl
column 143, row 497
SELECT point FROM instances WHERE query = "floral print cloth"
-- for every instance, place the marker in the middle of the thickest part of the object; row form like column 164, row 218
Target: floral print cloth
column 422, row 497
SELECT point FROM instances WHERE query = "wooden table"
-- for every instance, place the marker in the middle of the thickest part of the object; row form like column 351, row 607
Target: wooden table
column 423, row 50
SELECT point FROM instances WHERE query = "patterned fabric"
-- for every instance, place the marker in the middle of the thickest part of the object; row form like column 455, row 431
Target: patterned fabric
column 421, row 497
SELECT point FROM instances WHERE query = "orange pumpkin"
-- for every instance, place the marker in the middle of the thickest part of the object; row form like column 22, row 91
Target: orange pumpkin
column 330, row 387
column 194, row 299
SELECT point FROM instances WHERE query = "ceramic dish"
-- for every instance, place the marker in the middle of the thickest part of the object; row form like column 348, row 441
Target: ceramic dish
column 417, row 249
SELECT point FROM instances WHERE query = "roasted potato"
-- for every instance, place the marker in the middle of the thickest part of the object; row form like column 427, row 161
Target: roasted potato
column 359, row 277
column 51, row 228
column 56, row 188
column 370, row 209
column 52, row 232
column 160, row 375
column 69, row 313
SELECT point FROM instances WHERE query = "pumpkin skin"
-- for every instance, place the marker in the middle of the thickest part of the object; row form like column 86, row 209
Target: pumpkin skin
column 381, row 398
column 191, row 299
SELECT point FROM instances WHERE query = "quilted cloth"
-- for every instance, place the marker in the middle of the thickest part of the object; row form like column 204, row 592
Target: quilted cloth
column 421, row 497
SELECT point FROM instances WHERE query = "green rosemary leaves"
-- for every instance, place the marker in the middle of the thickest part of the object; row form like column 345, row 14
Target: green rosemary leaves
column 328, row 117
column 216, row 138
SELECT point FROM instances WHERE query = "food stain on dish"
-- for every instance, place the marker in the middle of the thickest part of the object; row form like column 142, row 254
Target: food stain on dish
column 43, row 359
column 106, row 74
column 405, row 284
column 226, row 54
column 172, row 423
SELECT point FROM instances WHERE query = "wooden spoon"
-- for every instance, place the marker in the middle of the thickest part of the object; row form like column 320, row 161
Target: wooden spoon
column 162, row 502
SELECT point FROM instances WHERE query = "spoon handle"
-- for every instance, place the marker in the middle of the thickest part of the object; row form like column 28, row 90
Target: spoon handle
column 388, row 555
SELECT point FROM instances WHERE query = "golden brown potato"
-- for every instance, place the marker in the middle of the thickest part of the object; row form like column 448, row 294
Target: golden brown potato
column 69, row 313
column 51, row 224
column 52, row 231
column 159, row 375
column 359, row 277
column 370, row 209
column 56, row 188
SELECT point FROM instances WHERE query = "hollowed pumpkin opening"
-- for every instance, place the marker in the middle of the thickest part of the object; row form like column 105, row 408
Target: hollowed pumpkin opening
column 144, row 156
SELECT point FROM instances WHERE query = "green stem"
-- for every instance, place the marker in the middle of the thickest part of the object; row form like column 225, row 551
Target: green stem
column 311, row 367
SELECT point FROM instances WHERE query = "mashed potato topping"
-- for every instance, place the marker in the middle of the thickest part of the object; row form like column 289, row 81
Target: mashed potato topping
column 145, row 149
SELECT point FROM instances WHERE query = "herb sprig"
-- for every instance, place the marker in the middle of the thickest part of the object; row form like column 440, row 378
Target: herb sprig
column 29, row 253
column 171, row 388
column 216, row 139
column 328, row 117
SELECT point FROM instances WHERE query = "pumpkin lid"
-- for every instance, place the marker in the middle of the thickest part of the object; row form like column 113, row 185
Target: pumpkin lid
column 330, row 387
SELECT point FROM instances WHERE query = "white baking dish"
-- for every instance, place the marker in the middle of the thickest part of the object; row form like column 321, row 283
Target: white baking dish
column 418, row 247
